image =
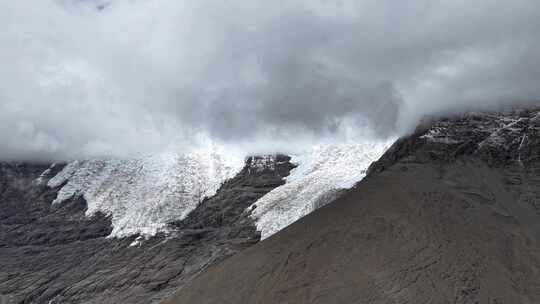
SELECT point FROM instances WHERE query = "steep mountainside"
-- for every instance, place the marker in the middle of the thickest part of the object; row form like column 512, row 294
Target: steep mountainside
column 61, row 253
column 134, row 230
column 450, row 214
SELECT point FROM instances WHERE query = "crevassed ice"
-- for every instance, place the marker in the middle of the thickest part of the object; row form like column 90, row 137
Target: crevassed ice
column 321, row 173
column 143, row 194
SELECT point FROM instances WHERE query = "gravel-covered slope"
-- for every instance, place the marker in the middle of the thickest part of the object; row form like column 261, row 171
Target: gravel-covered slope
column 58, row 253
column 450, row 214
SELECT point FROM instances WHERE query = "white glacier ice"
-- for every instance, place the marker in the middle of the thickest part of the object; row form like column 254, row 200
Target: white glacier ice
column 143, row 194
column 321, row 173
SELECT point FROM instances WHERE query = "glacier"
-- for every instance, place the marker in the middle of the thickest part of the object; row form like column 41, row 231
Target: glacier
column 322, row 172
column 143, row 194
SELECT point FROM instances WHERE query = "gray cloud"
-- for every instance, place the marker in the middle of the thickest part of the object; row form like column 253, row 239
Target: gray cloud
column 89, row 78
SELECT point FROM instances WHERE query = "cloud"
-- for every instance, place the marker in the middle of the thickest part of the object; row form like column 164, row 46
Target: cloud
column 120, row 77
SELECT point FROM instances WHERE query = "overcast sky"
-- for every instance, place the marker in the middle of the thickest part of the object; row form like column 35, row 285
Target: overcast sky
column 121, row 77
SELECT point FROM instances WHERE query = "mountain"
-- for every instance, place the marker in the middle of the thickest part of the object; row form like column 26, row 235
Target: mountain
column 135, row 230
column 53, row 250
column 449, row 214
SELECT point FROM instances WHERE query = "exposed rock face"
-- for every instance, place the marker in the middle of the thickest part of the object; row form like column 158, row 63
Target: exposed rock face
column 55, row 253
column 448, row 215
column 499, row 139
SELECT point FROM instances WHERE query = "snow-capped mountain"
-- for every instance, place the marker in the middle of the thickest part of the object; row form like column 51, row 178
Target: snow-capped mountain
column 73, row 233
column 56, row 247
column 143, row 194
column 134, row 230
column 448, row 214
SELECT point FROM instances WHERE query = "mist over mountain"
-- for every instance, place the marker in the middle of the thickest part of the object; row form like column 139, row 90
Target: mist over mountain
column 298, row 151
column 120, row 78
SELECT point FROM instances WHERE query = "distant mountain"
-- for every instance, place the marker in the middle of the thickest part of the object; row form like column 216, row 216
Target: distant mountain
column 450, row 214
column 135, row 230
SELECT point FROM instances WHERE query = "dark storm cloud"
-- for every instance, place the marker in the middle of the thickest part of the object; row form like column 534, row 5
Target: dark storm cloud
column 86, row 78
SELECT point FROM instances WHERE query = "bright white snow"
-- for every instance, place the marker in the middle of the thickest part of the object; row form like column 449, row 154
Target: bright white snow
column 143, row 194
column 320, row 174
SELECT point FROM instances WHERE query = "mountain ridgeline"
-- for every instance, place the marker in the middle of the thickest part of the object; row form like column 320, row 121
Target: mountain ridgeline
column 449, row 214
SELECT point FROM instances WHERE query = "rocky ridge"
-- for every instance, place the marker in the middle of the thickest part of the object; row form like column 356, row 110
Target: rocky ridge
column 501, row 139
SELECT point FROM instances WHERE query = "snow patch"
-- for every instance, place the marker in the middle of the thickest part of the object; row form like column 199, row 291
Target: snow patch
column 261, row 163
column 45, row 175
column 436, row 135
column 143, row 194
column 321, row 173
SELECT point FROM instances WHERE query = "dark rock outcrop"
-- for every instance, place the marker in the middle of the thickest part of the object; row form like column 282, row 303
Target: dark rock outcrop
column 56, row 254
column 448, row 215
column 499, row 139
column 27, row 217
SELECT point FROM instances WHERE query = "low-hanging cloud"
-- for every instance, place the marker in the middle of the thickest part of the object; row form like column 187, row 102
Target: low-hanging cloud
column 93, row 78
